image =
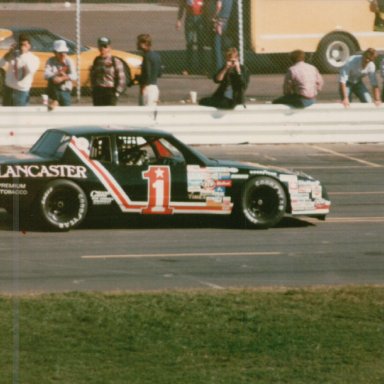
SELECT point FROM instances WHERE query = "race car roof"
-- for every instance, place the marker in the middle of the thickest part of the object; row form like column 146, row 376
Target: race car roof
column 102, row 130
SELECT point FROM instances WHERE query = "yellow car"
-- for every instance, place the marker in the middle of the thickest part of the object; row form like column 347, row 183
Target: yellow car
column 42, row 42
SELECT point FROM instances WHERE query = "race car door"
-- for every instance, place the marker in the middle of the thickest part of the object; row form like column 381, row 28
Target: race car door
column 151, row 172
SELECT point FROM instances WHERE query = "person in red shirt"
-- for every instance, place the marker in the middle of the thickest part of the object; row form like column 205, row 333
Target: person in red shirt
column 194, row 31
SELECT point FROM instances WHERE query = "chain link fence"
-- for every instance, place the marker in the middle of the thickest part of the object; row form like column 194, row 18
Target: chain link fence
column 185, row 68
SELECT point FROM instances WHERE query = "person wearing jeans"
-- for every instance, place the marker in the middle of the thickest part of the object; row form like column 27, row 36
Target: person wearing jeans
column 194, row 31
column 220, row 19
column 352, row 75
column 302, row 82
column 60, row 72
column 22, row 66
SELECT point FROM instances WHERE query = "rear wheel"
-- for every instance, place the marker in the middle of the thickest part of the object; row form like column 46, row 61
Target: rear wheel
column 263, row 202
column 62, row 205
column 334, row 51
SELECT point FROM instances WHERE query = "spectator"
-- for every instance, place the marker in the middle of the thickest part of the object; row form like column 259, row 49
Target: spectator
column 233, row 80
column 60, row 71
column 22, row 65
column 351, row 78
column 193, row 29
column 302, row 82
column 108, row 78
column 150, row 72
column 382, row 76
column 222, row 13
column 377, row 6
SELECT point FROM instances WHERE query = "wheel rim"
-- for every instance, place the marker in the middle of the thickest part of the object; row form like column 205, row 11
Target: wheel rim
column 263, row 204
column 337, row 53
column 62, row 205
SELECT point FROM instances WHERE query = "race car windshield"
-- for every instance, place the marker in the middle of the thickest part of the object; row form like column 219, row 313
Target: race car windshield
column 51, row 144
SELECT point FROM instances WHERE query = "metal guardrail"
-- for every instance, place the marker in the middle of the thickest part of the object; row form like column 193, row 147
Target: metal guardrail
column 320, row 123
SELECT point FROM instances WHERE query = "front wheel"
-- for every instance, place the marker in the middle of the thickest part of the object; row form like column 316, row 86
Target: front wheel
column 263, row 202
column 62, row 205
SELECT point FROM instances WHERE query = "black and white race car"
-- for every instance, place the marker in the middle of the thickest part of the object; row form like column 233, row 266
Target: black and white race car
column 71, row 173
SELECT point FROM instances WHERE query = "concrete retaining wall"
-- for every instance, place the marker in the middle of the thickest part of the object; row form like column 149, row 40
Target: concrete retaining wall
column 320, row 123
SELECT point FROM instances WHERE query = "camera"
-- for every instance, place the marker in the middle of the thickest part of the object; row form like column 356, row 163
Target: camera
column 16, row 50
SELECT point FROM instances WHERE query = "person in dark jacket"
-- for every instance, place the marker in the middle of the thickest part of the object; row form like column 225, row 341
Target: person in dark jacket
column 150, row 72
column 107, row 75
column 233, row 80
column 377, row 6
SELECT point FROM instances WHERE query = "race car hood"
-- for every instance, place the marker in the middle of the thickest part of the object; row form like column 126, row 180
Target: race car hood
column 248, row 166
column 22, row 158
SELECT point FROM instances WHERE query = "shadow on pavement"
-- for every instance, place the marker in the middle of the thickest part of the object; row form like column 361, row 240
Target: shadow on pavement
column 150, row 222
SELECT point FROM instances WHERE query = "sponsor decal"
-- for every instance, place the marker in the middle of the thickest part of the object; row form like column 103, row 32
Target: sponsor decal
column 223, row 183
column 18, row 189
column 159, row 188
column 208, row 183
column 101, row 198
column 302, row 205
column 220, row 191
column 322, row 204
column 262, row 172
column 240, row 176
column 306, row 197
column 305, row 194
column 37, row 170
column 288, row 178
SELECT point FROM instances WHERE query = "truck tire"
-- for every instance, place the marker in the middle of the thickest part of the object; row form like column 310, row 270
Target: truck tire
column 334, row 51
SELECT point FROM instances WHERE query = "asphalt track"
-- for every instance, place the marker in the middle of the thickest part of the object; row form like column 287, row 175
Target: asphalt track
column 152, row 254
column 189, row 253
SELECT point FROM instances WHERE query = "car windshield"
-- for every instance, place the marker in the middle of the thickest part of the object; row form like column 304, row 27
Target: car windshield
column 41, row 41
column 51, row 144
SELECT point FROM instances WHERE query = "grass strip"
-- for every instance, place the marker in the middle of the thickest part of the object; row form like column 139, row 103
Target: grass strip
column 333, row 335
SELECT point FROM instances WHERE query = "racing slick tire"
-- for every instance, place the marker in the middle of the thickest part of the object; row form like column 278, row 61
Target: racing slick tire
column 263, row 202
column 62, row 205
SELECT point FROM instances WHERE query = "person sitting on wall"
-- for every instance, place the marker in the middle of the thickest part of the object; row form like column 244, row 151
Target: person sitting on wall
column 302, row 82
column 233, row 79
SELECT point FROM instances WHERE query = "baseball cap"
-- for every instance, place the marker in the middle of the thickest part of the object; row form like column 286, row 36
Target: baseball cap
column 103, row 41
column 60, row 46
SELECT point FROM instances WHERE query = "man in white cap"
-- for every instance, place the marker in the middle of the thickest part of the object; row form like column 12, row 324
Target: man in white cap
column 60, row 72
column 22, row 65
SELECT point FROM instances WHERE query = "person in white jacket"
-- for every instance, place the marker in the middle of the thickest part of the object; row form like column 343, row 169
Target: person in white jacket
column 21, row 67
